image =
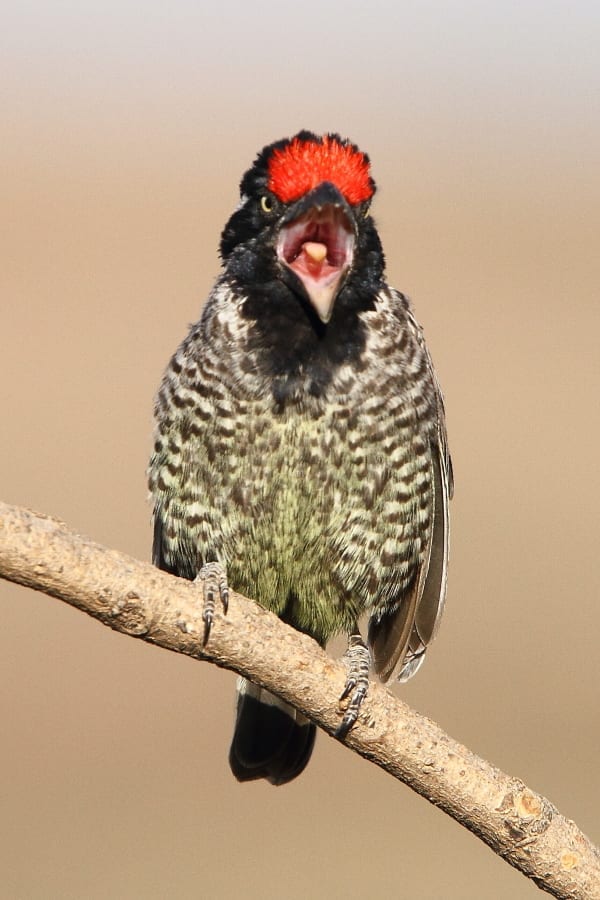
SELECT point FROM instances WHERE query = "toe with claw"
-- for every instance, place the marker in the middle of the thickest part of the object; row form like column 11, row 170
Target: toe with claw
column 213, row 579
column 357, row 682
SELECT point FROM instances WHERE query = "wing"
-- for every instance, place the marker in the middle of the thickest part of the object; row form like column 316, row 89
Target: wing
column 182, row 564
column 399, row 640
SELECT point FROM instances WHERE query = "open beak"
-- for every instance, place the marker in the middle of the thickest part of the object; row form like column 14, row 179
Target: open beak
column 316, row 243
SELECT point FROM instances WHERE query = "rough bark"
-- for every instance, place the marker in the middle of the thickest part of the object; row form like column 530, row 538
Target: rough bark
column 136, row 599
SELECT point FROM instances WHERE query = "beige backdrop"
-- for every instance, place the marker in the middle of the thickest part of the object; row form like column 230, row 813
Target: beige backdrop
column 124, row 132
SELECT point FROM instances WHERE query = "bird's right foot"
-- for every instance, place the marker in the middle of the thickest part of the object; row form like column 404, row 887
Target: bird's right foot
column 213, row 579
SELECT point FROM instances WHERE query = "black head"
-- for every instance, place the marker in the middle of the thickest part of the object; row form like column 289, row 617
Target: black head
column 302, row 237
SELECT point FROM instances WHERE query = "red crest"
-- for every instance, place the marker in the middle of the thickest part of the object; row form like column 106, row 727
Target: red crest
column 303, row 164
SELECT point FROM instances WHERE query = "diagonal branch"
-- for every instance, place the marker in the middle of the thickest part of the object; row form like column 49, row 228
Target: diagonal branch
column 136, row 599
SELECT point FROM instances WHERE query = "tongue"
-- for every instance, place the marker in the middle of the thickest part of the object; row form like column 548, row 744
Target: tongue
column 314, row 254
column 320, row 277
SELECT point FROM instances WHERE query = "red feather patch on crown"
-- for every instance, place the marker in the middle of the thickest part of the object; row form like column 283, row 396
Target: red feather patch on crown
column 303, row 164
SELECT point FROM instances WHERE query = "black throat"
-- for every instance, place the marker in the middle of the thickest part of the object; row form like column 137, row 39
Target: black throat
column 297, row 352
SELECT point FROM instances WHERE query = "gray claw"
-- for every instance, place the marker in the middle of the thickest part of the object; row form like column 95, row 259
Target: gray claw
column 213, row 579
column 357, row 684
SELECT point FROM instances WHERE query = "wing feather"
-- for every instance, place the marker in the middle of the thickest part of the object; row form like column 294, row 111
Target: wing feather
column 399, row 640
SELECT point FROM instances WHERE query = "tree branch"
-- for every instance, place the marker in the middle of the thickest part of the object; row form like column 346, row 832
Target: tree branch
column 136, row 599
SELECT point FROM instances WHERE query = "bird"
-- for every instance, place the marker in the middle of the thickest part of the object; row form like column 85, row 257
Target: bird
column 300, row 451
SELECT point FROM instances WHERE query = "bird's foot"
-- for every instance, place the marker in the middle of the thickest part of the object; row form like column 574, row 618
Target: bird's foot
column 357, row 683
column 213, row 579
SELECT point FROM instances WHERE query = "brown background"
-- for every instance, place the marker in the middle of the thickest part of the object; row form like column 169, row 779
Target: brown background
column 124, row 133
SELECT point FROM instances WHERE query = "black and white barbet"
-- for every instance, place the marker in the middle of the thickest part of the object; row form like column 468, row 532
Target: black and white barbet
column 300, row 452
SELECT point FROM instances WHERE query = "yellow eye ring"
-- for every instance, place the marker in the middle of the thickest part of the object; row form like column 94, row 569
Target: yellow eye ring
column 266, row 204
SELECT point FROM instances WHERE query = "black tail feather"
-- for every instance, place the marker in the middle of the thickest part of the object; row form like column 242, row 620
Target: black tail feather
column 271, row 740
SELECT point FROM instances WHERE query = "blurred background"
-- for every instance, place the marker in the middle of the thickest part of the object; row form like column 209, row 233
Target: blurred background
column 125, row 129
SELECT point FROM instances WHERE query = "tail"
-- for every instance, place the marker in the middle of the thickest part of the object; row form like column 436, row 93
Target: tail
column 271, row 740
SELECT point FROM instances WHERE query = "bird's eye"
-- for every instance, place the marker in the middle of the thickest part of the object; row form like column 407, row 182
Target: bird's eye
column 266, row 203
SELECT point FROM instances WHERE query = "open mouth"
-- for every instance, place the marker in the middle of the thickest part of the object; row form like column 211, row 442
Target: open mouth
column 318, row 247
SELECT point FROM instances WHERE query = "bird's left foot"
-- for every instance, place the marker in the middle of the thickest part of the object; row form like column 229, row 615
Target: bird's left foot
column 357, row 683
column 213, row 579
